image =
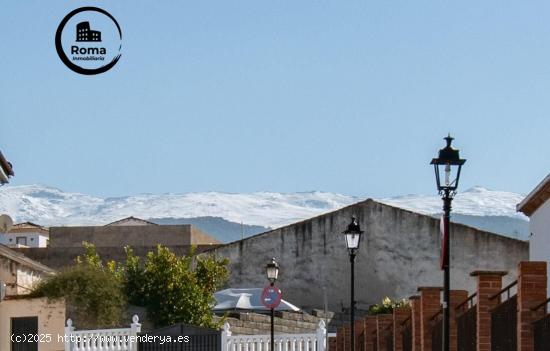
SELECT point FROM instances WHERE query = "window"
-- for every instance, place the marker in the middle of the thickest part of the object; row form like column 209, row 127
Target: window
column 21, row 240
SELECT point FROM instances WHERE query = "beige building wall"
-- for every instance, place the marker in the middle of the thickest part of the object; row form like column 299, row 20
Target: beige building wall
column 51, row 320
column 132, row 235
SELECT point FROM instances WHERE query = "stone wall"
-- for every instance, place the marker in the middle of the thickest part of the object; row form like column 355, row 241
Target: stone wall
column 285, row 322
column 399, row 251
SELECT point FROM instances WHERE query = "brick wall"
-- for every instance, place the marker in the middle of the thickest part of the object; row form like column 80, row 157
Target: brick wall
column 489, row 283
column 399, row 316
column 531, row 292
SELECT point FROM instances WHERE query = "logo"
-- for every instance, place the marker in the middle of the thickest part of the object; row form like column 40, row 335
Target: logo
column 89, row 40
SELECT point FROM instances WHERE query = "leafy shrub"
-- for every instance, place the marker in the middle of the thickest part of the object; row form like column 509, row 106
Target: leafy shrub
column 94, row 294
column 175, row 289
column 172, row 288
column 387, row 306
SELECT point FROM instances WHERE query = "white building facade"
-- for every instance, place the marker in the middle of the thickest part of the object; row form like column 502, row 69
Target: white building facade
column 537, row 206
column 26, row 234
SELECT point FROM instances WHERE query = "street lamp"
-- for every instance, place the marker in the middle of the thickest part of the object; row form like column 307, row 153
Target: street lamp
column 447, row 174
column 353, row 238
column 272, row 273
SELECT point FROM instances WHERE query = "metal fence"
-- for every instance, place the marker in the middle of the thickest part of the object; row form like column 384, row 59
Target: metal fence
column 466, row 325
column 542, row 334
column 407, row 335
column 389, row 340
column 542, row 328
column 180, row 337
column 504, row 326
column 361, row 342
column 437, row 335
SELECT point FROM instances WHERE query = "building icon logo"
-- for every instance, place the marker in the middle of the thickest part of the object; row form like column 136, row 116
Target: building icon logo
column 89, row 40
column 84, row 33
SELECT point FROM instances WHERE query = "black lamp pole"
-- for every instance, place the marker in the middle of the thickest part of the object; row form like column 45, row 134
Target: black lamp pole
column 447, row 199
column 352, row 300
column 447, row 174
column 353, row 237
column 272, row 272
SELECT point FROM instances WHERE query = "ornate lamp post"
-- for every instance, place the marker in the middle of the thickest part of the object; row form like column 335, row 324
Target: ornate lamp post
column 447, row 173
column 272, row 273
column 353, row 237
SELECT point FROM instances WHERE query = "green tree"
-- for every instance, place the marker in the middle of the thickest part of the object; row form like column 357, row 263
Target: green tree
column 172, row 288
column 94, row 293
column 175, row 289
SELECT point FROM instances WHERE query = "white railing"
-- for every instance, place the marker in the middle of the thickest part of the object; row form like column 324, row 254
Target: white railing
column 283, row 342
column 123, row 339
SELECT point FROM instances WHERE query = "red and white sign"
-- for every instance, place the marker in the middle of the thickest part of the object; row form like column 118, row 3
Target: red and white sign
column 444, row 232
column 271, row 297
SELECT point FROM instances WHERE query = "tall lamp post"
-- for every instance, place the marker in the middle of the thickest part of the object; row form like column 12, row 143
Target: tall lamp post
column 272, row 272
column 353, row 237
column 447, row 173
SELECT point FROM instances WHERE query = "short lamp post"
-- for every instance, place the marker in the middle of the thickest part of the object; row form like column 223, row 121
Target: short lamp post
column 272, row 273
column 447, row 167
column 353, row 238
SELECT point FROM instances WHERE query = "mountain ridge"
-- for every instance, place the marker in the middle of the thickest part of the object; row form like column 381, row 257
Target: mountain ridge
column 479, row 207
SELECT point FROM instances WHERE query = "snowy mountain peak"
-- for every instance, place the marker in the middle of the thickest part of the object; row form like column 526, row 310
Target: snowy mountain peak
column 477, row 189
column 475, row 201
column 50, row 206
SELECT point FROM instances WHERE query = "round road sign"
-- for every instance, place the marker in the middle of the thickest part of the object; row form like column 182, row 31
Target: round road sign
column 271, row 297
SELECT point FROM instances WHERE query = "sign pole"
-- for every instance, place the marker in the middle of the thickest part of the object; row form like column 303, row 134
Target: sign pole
column 271, row 298
column 272, row 329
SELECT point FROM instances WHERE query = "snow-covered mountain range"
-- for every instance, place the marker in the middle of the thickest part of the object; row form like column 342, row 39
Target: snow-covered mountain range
column 50, row 206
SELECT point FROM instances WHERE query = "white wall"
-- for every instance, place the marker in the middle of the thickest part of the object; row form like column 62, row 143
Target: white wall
column 33, row 239
column 539, row 244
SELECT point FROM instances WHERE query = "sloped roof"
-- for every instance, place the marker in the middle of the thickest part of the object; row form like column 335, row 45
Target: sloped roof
column 137, row 221
column 24, row 260
column 29, row 225
column 361, row 203
column 246, row 299
column 536, row 198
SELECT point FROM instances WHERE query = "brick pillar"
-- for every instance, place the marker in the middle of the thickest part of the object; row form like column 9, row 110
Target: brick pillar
column 382, row 323
column 430, row 304
column 332, row 344
column 340, row 339
column 457, row 297
column 488, row 284
column 347, row 337
column 399, row 315
column 415, row 322
column 531, row 292
column 359, row 334
column 370, row 328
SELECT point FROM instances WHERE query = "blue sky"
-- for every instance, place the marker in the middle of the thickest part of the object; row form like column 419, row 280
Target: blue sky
column 238, row 96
